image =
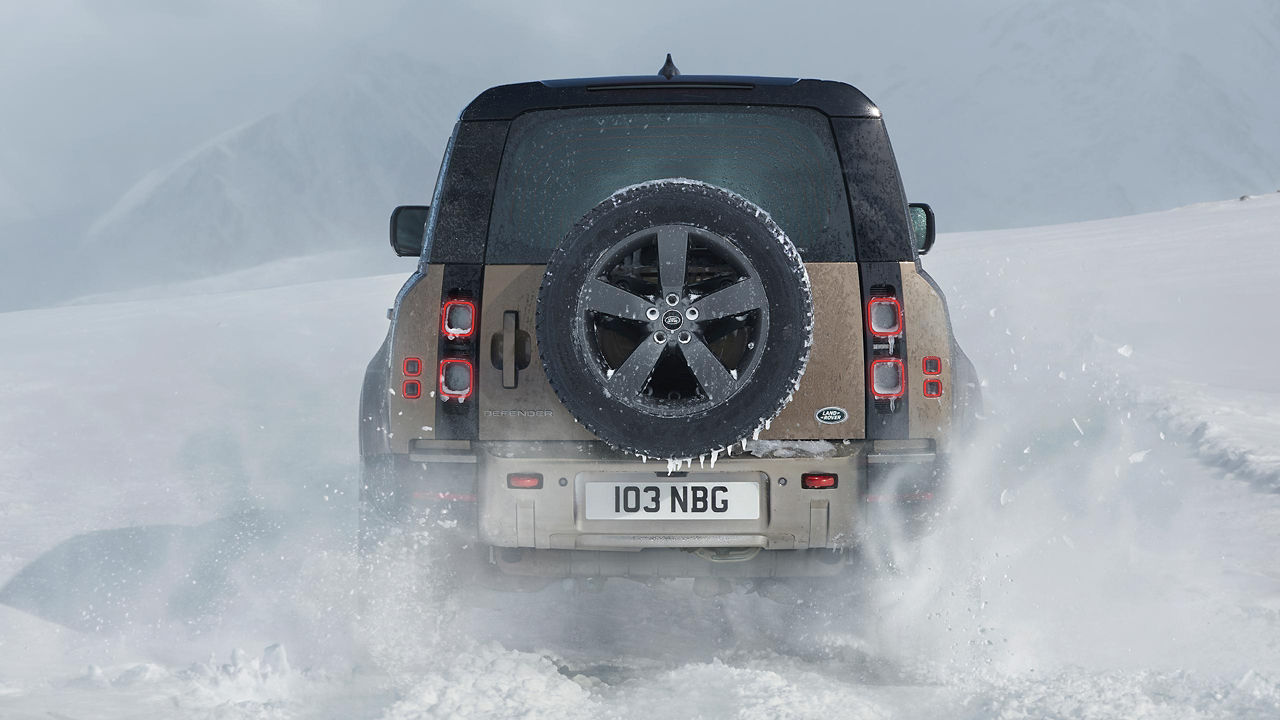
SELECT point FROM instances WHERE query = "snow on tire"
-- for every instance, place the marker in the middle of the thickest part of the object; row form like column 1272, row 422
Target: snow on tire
column 675, row 319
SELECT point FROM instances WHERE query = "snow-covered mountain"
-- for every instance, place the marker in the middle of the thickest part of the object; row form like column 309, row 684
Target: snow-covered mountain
column 1008, row 114
column 1052, row 111
column 321, row 174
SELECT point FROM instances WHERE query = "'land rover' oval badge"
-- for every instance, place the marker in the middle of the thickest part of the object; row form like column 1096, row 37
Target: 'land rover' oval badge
column 831, row 415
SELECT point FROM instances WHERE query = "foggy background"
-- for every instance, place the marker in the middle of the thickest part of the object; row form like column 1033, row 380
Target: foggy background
column 179, row 471
column 146, row 142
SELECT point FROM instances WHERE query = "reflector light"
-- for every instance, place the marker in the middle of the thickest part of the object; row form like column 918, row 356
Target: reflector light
column 411, row 390
column 931, row 365
column 884, row 316
column 412, row 366
column 932, row 388
column 458, row 319
column 456, row 376
column 524, row 481
column 887, row 378
column 818, row 481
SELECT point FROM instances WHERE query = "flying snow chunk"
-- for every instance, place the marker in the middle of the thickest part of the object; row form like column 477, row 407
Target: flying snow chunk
column 1138, row 457
column 1125, row 350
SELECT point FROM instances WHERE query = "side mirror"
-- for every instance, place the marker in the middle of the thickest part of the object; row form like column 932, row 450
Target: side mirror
column 408, row 229
column 922, row 227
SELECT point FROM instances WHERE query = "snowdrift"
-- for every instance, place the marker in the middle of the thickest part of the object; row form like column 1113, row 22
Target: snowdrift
column 177, row 481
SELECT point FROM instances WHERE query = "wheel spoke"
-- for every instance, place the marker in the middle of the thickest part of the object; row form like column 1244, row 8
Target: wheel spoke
column 736, row 299
column 715, row 380
column 628, row 380
column 599, row 296
column 673, row 251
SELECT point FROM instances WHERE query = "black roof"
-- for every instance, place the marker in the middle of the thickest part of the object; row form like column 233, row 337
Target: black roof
column 504, row 102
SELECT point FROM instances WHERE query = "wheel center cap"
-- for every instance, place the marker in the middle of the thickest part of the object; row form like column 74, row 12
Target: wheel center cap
column 672, row 319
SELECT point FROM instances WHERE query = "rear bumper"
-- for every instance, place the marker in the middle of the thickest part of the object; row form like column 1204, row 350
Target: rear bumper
column 541, row 532
column 791, row 517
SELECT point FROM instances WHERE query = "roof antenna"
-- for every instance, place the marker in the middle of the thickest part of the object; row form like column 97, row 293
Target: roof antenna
column 669, row 69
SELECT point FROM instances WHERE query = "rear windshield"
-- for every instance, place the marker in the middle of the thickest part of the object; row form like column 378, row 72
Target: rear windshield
column 559, row 164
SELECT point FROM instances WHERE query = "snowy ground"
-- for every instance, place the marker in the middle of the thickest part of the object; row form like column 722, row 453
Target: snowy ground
column 177, row 498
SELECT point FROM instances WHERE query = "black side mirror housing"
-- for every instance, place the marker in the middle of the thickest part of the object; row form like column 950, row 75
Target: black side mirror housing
column 408, row 229
column 923, row 229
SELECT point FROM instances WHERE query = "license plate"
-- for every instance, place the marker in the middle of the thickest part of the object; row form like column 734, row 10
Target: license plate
column 666, row 500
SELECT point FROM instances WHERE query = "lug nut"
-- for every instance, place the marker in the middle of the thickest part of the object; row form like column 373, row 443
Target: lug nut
column 660, row 337
column 651, row 313
column 684, row 336
column 691, row 313
column 672, row 298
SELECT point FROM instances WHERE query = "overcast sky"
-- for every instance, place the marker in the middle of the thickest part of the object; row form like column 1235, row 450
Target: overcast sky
column 98, row 92
column 1002, row 112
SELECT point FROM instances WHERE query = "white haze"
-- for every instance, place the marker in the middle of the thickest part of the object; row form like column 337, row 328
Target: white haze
column 177, row 444
column 148, row 143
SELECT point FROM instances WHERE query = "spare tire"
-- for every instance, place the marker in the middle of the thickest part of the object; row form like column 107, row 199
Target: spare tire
column 675, row 319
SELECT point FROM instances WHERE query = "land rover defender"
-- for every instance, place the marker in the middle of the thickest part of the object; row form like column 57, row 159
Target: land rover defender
column 663, row 326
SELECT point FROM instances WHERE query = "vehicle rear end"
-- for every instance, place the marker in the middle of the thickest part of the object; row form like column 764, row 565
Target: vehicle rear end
column 675, row 332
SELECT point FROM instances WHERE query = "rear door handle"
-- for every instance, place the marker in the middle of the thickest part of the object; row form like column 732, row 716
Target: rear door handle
column 510, row 326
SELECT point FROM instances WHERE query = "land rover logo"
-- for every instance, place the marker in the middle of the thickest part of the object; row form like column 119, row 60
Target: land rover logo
column 831, row 415
column 671, row 320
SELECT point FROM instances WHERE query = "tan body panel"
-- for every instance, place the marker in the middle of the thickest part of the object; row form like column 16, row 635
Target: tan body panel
column 515, row 288
column 415, row 333
column 928, row 334
column 834, row 376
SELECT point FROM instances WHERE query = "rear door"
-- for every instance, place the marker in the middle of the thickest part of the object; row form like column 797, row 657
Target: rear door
column 516, row 401
column 559, row 164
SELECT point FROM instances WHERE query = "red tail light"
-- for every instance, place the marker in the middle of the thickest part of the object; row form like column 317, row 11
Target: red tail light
column 818, row 481
column 458, row 319
column 457, row 378
column 412, row 366
column 887, row 378
column 411, row 389
column 524, row 481
column 884, row 317
column 932, row 388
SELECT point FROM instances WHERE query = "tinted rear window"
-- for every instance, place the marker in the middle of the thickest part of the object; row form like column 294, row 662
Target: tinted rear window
column 559, row 164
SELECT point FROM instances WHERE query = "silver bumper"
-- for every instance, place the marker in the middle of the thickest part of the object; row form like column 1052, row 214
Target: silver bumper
column 551, row 517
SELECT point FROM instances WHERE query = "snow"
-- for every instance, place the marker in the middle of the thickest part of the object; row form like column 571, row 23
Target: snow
column 791, row 448
column 177, row 494
column 314, row 176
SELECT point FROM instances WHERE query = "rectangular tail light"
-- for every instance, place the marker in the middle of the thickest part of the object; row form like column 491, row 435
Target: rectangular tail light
column 888, row 378
column 412, row 366
column 524, row 481
column 819, row 481
column 884, row 317
column 457, row 379
column 458, row 319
